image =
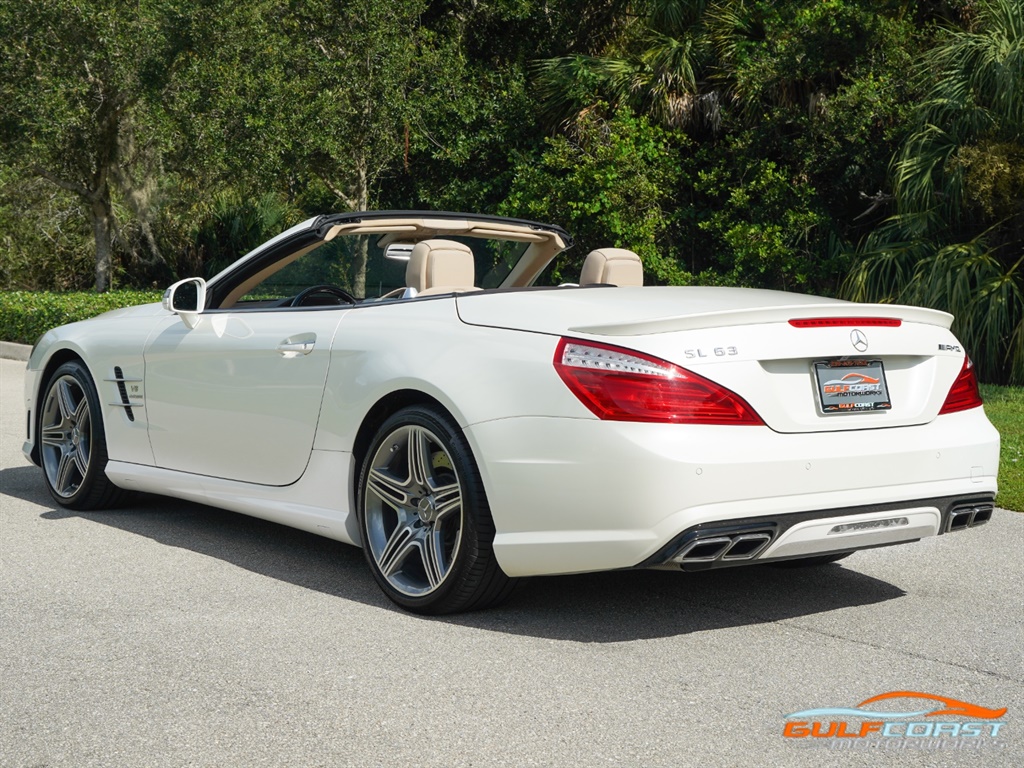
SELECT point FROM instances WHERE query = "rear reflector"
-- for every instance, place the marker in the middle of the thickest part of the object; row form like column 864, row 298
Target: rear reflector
column 964, row 394
column 846, row 322
column 619, row 384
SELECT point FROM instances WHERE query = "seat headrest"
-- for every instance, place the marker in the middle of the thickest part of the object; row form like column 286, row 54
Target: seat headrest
column 612, row 266
column 440, row 266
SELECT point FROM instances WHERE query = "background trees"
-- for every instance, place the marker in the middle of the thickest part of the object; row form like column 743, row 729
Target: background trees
column 955, row 238
column 869, row 148
column 81, row 85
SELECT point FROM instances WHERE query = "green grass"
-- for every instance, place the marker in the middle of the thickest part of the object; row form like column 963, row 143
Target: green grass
column 1005, row 409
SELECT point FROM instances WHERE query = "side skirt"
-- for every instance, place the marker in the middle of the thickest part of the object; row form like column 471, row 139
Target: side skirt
column 319, row 502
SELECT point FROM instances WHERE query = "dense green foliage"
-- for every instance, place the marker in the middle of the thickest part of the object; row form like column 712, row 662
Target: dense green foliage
column 867, row 148
column 955, row 238
column 27, row 315
column 606, row 182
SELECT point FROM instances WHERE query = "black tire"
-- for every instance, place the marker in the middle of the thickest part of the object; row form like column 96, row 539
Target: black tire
column 810, row 562
column 72, row 441
column 426, row 528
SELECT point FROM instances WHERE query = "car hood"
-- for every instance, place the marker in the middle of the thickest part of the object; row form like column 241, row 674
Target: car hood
column 139, row 310
column 609, row 311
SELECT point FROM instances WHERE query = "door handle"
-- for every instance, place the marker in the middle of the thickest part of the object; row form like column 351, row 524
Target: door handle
column 297, row 345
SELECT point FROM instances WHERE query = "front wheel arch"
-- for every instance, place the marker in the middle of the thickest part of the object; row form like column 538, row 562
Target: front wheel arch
column 56, row 360
column 71, row 438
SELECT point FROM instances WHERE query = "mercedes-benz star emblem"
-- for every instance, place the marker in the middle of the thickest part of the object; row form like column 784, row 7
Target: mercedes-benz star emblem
column 859, row 340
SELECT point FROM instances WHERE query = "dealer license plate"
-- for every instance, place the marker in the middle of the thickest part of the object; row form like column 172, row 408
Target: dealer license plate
column 851, row 386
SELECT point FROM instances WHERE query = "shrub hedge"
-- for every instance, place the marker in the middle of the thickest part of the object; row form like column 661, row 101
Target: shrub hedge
column 27, row 315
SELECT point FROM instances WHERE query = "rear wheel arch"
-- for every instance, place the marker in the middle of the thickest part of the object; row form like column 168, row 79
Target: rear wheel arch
column 380, row 412
column 423, row 515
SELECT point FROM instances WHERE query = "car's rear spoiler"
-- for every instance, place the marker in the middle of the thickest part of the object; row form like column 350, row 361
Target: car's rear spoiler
column 761, row 315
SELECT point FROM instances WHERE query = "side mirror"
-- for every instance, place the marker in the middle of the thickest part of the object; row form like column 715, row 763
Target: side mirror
column 187, row 299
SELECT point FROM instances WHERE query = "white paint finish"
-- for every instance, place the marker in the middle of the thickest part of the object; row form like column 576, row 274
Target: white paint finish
column 114, row 339
column 634, row 311
column 30, row 385
column 224, row 401
column 561, row 489
column 317, row 503
column 477, row 374
column 773, row 370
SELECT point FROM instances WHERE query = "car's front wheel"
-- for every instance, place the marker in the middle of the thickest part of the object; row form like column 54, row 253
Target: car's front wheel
column 426, row 527
column 73, row 446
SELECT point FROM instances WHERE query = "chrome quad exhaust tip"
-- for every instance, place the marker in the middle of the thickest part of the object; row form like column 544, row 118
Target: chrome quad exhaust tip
column 708, row 548
column 966, row 516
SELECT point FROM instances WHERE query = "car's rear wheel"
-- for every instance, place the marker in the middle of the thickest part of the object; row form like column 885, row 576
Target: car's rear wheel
column 426, row 527
column 72, row 442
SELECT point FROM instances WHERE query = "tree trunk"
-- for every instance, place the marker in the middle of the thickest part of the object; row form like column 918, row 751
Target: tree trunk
column 362, row 250
column 99, row 216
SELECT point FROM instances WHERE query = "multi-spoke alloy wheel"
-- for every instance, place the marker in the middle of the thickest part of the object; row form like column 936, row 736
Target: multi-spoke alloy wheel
column 66, row 436
column 413, row 510
column 427, row 530
column 71, row 441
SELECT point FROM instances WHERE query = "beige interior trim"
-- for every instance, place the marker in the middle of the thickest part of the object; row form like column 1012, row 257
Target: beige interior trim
column 519, row 237
column 442, row 289
column 533, row 261
column 543, row 245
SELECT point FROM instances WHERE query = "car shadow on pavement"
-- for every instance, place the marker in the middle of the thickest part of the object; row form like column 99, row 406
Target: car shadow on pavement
column 598, row 607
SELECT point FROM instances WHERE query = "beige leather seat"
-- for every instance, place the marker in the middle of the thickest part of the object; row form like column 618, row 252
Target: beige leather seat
column 612, row 266
column 440, row 266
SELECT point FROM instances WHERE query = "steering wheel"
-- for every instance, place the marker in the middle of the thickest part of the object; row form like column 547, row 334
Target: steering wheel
column 325, row 290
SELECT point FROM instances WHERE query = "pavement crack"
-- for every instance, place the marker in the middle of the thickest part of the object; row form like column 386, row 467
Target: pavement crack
column 868, row 644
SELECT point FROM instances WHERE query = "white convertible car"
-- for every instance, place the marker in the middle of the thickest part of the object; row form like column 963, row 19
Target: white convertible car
column 395, row 380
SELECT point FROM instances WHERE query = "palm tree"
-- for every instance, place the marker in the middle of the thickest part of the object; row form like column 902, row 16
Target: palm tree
column 655, row 66
column 955, row 242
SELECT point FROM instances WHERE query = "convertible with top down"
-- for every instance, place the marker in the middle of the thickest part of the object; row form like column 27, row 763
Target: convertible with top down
column 408, row 383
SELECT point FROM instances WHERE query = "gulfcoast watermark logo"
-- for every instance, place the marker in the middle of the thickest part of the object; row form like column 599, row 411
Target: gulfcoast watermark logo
column 932, row 723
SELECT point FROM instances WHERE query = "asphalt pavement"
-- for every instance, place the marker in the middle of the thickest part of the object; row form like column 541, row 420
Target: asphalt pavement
column 166, row 633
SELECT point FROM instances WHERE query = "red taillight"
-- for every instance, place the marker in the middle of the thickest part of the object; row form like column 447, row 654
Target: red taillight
column 619, row 384
column 846, row 322
column 964, row 394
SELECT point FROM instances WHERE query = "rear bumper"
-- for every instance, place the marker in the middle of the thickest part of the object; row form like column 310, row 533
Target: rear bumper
column 576, row 495
column 821, row 532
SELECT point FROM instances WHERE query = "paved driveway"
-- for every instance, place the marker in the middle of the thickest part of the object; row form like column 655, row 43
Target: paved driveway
column 171, row 634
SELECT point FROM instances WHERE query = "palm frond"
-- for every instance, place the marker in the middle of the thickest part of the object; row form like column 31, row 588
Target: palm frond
column 967, row 279
column 568, row 85
column 674, row 17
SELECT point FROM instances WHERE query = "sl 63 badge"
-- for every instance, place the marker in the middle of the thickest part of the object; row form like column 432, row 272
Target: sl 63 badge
column 692, row 354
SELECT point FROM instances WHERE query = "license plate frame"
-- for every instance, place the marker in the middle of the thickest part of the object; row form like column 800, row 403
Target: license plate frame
column 851, row 386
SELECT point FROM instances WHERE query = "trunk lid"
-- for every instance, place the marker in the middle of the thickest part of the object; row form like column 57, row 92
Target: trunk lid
column 743, row 339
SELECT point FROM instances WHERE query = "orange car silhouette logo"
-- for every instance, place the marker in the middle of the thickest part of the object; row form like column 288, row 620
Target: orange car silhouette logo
column 854, row 383
column 855, row 378
column 919, row 722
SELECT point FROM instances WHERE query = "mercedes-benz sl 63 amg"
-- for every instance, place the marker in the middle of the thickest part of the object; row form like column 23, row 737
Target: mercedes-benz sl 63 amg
column 401, row 382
